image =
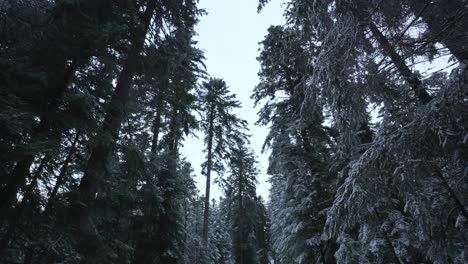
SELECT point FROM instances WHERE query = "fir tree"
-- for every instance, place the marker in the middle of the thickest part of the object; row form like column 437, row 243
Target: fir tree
column 364, row 54
column 241, row 199
column 221, row 127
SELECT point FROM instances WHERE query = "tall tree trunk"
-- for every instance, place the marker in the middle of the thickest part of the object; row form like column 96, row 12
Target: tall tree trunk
column 361, row 13
column 62, row 175
column 208, row 178
column 400, row 64
column 447, row 21
column 100, row 153
column 241, row 219
column 17, row 177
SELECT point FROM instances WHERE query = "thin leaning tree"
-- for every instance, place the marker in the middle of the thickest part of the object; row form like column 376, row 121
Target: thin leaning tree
column 221, row 127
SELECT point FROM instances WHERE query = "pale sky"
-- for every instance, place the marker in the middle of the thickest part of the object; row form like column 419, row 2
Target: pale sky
column 229, row 35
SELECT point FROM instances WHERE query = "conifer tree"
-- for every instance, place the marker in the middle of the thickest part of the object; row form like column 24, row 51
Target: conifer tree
column 365, row 103
column 299, row 157
column 366, row 56
column 220, row 244
column 262, row 231
column 96, row 39
column 241, row 199
column 75, row 31
column 220, row 127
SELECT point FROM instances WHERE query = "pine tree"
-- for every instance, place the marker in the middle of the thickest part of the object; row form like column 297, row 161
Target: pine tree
column 220, row 244
column 194, row 224
column 59, row 130
column 370, row 217
column 241, row 199
column 299, row 158
column 367, row 133
column 262, row 231
column 221, row 127
column 101, row 151
column 181, row 66
column 52, row 72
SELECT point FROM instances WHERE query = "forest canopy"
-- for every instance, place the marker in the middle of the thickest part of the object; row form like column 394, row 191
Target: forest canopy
column 365, row 102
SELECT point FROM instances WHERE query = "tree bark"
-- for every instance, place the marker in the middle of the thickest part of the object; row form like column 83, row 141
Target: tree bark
column 208, row 178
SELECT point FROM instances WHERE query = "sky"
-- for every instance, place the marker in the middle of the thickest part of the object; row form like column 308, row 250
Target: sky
column 229, row 36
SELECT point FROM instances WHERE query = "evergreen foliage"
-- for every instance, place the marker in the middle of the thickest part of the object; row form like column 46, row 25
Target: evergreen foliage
column 387, row 191
column 368, row 135
column 221, row 128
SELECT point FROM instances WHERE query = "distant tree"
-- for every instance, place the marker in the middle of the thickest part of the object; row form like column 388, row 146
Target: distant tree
column 194, row 249
column 220, row 243
column 241, row 199
column 262, row 231
column 221, row 127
